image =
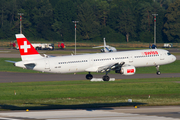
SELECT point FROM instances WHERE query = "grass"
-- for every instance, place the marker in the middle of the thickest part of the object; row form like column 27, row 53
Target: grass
column 80, row 94
column 177, row 53
column 169, row 68
column 9, row 67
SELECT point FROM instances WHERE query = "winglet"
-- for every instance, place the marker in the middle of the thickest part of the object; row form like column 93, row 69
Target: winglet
column 27, row 51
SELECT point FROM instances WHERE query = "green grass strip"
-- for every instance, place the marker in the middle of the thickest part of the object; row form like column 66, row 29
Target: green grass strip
column 80, row 94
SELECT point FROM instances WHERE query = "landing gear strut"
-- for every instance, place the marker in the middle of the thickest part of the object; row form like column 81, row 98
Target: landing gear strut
column 89, row 76
column 158, row 72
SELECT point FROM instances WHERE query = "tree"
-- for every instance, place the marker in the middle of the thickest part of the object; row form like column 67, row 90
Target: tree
column 146, row 21
column 165, row 3
column 8, row 10
column 103, row 10
column 37, row 18
column 123, row 19
column 172, row 24
column 88, row 26
column 64, row 14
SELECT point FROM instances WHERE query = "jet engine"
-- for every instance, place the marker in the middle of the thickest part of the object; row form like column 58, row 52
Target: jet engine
column 127, row 70
column 110, row 50
column 102, row 50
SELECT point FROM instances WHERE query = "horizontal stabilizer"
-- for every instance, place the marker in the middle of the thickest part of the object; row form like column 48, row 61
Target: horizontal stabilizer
column 10, row 61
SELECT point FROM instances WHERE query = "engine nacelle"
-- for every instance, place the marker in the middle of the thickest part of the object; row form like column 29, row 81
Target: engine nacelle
column 102, row 50
column 127, row 70
column 110, row 50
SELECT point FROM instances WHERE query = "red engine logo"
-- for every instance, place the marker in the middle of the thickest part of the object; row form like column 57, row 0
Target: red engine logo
column 130, row 70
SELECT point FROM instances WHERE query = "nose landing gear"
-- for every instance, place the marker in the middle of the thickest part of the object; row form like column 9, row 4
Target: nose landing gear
column 158, row 72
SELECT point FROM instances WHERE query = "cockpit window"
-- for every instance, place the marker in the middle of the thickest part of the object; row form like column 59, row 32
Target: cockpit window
column 169, row 53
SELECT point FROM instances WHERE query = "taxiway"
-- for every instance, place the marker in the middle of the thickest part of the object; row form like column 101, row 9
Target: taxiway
column 125, row 113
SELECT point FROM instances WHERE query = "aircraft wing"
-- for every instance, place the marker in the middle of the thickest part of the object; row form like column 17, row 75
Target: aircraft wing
column 101, row 46
column 48, row 56
column 105, row 68
column 98, row 47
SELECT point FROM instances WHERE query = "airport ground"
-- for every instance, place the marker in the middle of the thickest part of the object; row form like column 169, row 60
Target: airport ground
column 122, row 113
column 113, row 113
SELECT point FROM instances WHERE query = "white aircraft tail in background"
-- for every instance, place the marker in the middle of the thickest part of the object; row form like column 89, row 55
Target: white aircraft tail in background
column 107, row 48
column 124, row 62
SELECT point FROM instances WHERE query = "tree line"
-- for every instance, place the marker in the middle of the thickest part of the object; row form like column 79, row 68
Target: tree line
column 116, row 20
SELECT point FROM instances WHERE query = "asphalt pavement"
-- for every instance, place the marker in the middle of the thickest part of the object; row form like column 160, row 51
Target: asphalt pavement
column 7, row 77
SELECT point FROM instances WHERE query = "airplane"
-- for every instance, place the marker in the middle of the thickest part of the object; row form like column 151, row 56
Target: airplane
column 107, row 48
column 122, row 62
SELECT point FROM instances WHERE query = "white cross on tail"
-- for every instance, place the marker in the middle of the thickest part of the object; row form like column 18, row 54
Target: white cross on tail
column 25, row 46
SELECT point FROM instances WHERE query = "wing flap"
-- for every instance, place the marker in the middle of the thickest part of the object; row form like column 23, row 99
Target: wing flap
column 105, row 68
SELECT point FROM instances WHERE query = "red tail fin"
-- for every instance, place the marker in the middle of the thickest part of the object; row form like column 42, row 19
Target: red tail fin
column 27, row 51
column 25, row 46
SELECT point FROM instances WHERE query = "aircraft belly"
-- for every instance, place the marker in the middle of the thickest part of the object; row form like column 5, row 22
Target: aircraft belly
column 143, row 63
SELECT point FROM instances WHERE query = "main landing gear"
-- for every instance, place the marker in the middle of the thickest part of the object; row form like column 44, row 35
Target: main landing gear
column 158, row 72
column 105, row 78
column 89, row 76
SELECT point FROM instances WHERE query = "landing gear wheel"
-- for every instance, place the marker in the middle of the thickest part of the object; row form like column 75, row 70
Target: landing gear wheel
column 158, row 73
column 89, row 76
column 106, row 78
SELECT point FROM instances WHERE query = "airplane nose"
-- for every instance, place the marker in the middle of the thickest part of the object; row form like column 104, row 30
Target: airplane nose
column 174, row 58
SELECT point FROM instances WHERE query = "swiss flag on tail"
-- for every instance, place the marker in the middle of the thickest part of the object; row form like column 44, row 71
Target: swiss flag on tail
column 27, row 51
column 25, row 46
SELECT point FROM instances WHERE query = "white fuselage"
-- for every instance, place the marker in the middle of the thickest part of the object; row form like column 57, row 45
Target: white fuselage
column 91, row 62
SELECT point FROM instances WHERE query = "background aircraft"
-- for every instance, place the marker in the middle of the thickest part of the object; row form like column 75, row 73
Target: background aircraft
column 124, row 62
column 107, row 48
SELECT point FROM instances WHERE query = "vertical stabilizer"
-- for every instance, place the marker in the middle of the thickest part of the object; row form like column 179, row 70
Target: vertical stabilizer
column 104, row 44
column 26, row 50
